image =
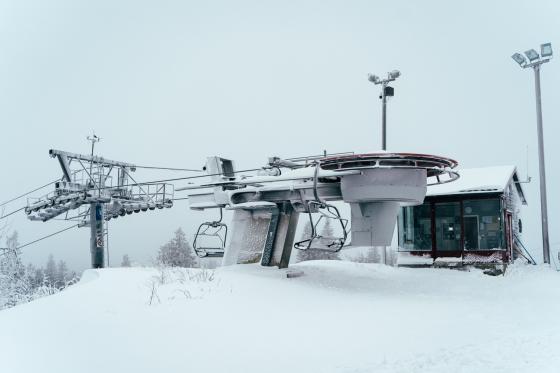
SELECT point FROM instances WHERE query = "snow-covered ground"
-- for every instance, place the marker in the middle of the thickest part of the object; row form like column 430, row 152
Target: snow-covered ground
column 338, row 317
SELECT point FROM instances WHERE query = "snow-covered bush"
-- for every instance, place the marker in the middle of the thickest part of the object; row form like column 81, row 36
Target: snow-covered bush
column 177, row 252
column 20, row 283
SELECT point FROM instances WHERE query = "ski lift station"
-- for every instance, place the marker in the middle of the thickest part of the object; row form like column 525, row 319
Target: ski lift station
column 474, row 220
column 466, row 217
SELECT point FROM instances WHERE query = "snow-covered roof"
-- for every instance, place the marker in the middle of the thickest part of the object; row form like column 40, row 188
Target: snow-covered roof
column 480, row 180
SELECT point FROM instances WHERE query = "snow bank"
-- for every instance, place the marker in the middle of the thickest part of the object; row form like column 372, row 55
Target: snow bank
column 338, row 317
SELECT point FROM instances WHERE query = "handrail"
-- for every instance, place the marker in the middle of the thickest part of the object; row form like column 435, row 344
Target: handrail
column 519, row 244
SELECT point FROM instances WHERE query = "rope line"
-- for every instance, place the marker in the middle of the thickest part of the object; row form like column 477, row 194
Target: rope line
column 170, row 168
column 45, row 237
column 25, row 194
column 11, row 213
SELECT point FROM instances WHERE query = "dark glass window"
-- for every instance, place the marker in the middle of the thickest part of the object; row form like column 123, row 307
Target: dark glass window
column 415, row 230
column 483, row 224
column 448, row 226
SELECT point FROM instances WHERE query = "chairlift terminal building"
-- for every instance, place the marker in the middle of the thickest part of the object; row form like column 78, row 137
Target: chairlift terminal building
column 475, row 219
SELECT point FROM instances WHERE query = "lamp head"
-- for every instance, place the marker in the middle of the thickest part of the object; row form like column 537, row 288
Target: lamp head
column 373, row 78
column 532, row 55
column 546, row 50
column 518, row 57
column 394, row 74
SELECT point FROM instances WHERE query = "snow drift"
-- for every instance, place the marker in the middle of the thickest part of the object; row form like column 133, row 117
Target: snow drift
column 338, row 317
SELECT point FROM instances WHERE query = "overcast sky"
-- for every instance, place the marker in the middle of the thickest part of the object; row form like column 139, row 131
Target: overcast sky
column 170, row 82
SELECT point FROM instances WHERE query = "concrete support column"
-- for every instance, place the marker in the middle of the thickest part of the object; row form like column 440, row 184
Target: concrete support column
column 373, row 223
column 280, row 237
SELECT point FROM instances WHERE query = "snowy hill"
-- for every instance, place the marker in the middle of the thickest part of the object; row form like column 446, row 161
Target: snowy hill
column 338, row 317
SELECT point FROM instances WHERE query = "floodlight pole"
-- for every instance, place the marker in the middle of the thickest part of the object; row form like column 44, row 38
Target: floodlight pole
column 383, row 116
column 535, row 62
column 391, row 76
column 542, row 180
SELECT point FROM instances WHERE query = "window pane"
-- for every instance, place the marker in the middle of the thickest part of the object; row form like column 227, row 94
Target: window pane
column 483, row 225
column 415, row 231
column 448, row 226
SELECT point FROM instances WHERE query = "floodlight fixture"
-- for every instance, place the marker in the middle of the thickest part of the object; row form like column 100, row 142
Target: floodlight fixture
column 518, row 57
column 394, row 74
column 373, row 78
column 546, row 50
column 532, row 55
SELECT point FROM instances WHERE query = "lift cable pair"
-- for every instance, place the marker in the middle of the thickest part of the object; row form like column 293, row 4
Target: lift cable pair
column 11, row 213
column 28, row 193
column 43, row 238
column 173, row 179
column 57, row 180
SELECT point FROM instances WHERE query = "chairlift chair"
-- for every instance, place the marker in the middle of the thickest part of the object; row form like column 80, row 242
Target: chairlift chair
column 318, row 241
column 326, row 211
column 210, row 239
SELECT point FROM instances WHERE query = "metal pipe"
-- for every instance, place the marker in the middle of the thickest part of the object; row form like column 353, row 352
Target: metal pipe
column 542, row 181
column 384, row 118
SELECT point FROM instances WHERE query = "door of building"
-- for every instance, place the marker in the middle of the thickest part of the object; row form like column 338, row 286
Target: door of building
column 472, row 234
column 509, row 234
column 447, row 221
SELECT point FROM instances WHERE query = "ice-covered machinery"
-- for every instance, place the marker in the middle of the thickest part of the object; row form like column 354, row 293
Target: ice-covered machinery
column 267, row 205
column 93, row 190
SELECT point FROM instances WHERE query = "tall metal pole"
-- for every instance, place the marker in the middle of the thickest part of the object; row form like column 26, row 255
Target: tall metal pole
column 384, row 118
column 391, row 76
column 542, row 180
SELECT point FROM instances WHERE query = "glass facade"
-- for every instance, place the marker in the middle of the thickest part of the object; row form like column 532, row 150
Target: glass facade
column 448, row 226
column 470, row 225
column 415, row 228
column 483, row 224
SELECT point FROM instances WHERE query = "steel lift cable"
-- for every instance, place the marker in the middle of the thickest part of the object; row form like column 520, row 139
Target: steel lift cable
column 32, row 191
column 11, row 213
column 47, row 236
column 176, row 179
column 28, row 193
column 170, row 168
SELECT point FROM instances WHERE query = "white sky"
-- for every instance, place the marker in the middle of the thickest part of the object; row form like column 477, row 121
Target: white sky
column 171, row 82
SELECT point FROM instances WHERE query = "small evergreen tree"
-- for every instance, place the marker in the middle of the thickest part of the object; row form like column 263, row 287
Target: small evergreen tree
column 316, row 254
column 15, row 285
column 51, row 272
column 125, row 261
column 62, row 276
column 177, row 252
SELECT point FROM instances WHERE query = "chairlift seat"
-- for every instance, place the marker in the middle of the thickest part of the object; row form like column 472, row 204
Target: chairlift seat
column 210, row 239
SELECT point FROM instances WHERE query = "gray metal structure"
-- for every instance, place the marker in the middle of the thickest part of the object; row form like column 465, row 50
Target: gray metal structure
column 86, row 193
column 386, row 90
column 535, row 62
column 266, row 206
